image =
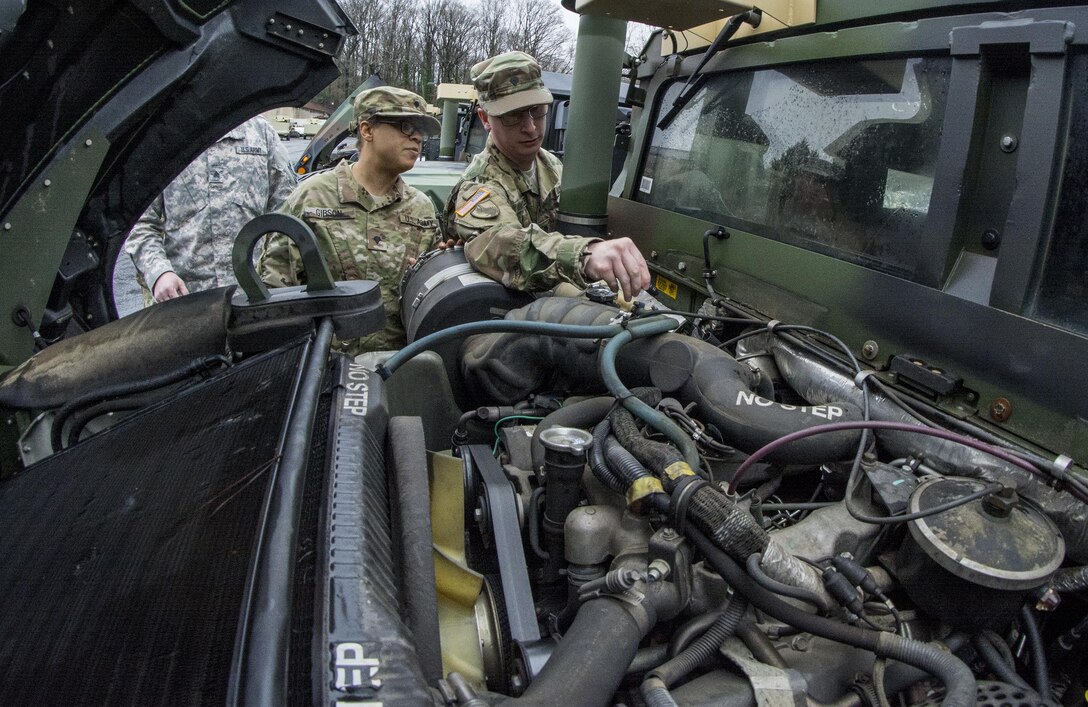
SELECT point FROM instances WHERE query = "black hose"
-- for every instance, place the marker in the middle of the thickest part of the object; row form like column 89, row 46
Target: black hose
column 583, row 414
column 597, row 462
column 127, row 388
column 622, row 463
column 707, row 645
column 773, row 585
column 960, row 687
column 648, row 657
column 760, row 646
column 691, row 630
column 414, row 539
column 996, row 663
column 591, row 660
column 1038, row 653
column 79, row 419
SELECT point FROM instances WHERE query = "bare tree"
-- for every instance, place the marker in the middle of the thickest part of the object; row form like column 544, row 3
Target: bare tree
column 537, row 28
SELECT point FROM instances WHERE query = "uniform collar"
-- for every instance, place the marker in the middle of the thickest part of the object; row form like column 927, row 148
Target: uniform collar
column 524, row 180
column 351, row 192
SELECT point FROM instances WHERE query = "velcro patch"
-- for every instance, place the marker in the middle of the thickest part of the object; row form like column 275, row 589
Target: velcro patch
column 473, row 201
column 322, row 212
column 486, row 211
column 250, row 150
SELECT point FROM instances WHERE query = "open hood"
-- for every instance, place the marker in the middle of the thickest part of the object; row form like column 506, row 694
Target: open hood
column 104, row 103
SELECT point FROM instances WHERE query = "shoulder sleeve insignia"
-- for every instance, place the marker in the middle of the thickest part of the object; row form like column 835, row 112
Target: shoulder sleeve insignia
column 473, row 201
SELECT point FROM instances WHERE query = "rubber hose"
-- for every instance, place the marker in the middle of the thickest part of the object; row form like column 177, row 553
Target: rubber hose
column 408, row 448
column 704, row 647
column 761, row 646
column 655, row 419
column 583, row 414
column 996, row 663
column 596, row 458
column 656, row 694
column 960, row 686
column 647, row 658
column 683, row 636
column 128, row 388
column 590, row 662
column 79, row 419
column 773, row 585
column 622, row 463
column 731, row 527
column 1038, row 653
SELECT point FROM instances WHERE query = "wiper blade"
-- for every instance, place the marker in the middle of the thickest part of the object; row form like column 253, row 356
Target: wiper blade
column 696, row 80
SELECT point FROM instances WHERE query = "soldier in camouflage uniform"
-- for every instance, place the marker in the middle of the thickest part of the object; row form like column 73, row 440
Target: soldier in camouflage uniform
column 369, row 224
column 506, row 204
column 183, row 241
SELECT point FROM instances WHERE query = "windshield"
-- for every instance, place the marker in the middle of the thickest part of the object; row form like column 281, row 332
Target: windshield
column 836, row 157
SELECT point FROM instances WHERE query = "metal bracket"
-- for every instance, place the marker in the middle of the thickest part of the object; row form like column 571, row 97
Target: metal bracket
column 318, row 276
column 1042, row 37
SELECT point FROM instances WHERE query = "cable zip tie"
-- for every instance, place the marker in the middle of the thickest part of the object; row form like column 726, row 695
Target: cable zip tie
column 859, row 379
column 1060, row 466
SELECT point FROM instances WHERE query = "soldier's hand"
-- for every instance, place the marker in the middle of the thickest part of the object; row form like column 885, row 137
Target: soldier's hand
column 450, row 243
column 619, row 264
column 168, row 286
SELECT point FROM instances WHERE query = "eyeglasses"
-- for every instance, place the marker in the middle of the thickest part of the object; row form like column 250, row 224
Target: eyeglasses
column 405, row 126
column 511, row 120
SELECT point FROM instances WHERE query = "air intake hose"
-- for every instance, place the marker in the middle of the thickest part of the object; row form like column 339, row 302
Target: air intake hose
column 508, row 367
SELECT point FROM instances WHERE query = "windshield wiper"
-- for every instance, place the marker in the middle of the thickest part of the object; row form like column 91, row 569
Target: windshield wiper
column 752, row 17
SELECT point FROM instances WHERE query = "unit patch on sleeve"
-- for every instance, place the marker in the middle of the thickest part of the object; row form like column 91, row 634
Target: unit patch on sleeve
column 473, row 201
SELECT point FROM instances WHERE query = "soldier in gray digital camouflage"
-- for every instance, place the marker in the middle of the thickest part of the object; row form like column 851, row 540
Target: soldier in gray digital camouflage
column 183, row 242
column 369, row 224
column 506, row 203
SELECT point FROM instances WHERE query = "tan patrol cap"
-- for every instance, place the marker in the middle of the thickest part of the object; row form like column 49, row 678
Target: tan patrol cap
column 392, row 102
column 509, row 82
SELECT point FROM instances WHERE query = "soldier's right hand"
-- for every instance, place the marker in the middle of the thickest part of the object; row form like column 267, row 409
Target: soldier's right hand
column 168, row 286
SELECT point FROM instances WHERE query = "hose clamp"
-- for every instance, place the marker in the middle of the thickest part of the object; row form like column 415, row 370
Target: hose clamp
column 1060, row 466
column 680, row 499
column 771, row 325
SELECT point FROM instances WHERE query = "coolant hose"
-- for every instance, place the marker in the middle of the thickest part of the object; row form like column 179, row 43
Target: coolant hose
column 591, row 660
column 996, row 663
column 959, row 683
column 1038, row 652
column 654, row 418
column 408, row 450
column 495, row 326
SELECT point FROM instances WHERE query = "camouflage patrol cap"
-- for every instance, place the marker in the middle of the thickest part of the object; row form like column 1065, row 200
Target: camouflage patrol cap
column 392, row 102
column 509, row 82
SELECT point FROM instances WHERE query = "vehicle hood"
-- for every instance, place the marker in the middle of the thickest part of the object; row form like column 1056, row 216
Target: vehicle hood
column 105, row 102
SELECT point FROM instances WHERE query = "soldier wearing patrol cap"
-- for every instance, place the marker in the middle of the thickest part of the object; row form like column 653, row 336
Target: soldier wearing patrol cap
column 369, row 224
column 506, row 205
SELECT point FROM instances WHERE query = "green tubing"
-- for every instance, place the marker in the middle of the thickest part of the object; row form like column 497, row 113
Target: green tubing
column 650, row 326
column 497, row 326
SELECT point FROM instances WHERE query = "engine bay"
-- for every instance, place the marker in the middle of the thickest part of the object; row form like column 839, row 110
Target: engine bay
column 707, row 508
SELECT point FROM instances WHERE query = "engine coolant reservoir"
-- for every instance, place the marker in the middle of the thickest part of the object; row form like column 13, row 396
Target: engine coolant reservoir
column 973, row 566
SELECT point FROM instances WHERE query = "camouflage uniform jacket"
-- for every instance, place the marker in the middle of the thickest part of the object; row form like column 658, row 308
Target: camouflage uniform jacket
column 362, row 237
column 508, row 222
column 190, row 228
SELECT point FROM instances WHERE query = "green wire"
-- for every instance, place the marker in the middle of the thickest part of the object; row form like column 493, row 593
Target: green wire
column 495, row 447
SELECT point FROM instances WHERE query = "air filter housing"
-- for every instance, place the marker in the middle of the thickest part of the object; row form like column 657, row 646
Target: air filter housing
column 973, row 566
